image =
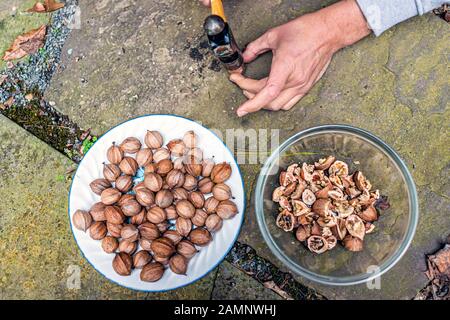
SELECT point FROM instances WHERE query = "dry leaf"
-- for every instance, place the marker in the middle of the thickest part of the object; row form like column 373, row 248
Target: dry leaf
column 8, row 103
column 47, row 6
column 3, row 78
column 38, row 7
column 26, row 43
column 272, row 286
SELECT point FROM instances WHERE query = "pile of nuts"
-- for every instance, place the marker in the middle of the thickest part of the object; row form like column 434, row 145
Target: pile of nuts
column 167, row 215
column 325, row 204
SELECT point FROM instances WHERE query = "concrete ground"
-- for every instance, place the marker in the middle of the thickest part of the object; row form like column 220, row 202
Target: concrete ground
column 133, row 57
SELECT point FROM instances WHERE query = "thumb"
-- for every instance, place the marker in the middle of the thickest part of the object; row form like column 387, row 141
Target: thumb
column 257, row 47
column 206, row 2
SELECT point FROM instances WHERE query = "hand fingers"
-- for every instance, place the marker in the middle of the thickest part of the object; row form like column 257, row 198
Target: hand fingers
column 284, row 97
column 324, row 69
column 306, row 88
column 248, row 84
column 279, row 74
column 206, row 2
column 256, row 47
column 293, row 102
column 248, row 95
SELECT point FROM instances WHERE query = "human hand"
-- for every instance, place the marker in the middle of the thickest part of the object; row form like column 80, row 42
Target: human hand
column 302, row 50
column 206, row 2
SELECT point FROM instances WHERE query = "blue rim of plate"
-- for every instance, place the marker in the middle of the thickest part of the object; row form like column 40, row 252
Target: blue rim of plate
column 227, row 251
column 327, row 280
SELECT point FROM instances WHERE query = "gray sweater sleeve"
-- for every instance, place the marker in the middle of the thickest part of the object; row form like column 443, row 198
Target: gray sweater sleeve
column 383, row 14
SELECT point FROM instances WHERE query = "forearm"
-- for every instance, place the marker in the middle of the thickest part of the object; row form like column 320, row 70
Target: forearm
column 345, row 22
column 383, row 14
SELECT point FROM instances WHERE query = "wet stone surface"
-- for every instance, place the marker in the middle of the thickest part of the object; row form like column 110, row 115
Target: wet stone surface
column 233, row 284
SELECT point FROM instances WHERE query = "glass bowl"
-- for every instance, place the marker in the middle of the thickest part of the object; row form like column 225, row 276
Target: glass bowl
column 387, row 172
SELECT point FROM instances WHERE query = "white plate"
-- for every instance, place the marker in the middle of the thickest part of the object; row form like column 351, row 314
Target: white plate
column 90, row 168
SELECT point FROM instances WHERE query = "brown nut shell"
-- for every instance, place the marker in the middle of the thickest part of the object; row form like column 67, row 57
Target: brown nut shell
column 153, row 139
column 200, row 237
column 197, row 199
column 128, row 166
column 213, row 223
column 149, row 231
column 141, row 258
column 114, row 215
column 183, row 226
column 176, row 147
column 98, row 230
column 97, row 212
column 211, row 205
column 152, row 272
column 199, row 218
column 144, row 157
column 153, row 182
column 110, row 244
column 124, row 183
column 163, row 247
column 98, row 185
column 189, row 139
column 156, row 215
column 221, row 172
column 145, row 197
column 178, row 264
column 122, row 264
column 114, row 229
column 130, row 145
column 111, row 172
column 205, row 185
column 226, row 209
column 185, row 209
column 190, row 182
column 82, row 220
column 129, row 232
column 175, row 179
column 221, row 192
column 114, row 154
column 127, row 246
column 173, row 235
column 186, row 249
column 171, row 213
column 110, row 196
column 164, row 198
